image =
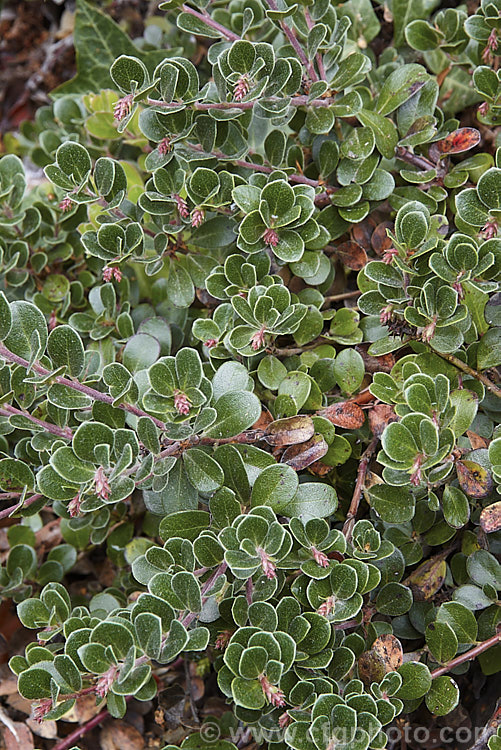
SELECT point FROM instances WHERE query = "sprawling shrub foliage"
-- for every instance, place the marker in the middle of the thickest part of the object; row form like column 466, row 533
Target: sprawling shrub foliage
column 295, row 476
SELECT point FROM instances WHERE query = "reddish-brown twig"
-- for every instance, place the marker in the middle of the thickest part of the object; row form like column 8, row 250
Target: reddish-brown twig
column 357, row 494
column 468, row 655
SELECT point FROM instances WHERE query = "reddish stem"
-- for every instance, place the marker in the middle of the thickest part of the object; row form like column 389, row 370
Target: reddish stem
column 6, row 410
column 213, row 24
column 296, row 101
column 76, row 386
column 294, row 42
column 357, row 494
column 468, row 655
column 84, row 728
column 7, row 511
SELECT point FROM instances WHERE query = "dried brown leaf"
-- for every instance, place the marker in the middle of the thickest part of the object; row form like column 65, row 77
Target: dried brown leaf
column 300, row 456
column 390, row 651
column 380, row 240
column 477, row 441
column 15, row 735
column 428, row 578
column 474, row 480
column 264, row 420
column 346, row 414
column 319, row 469
column 385, row 655
column 385, row 363
column 490, row 518
column 83, row 710
column 352, row 255
column 118, row 735
column 361, row 232
column 379, row 416
column 290, row 431
column 46, row 729
column 458, row 141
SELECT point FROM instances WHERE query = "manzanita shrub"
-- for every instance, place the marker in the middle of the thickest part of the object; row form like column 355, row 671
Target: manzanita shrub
column 295, row 477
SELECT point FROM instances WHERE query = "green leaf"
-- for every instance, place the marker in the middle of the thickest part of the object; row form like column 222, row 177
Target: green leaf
column 441, row 640
column 394, row 599
column 33, row 613
column 231, row 377
column 443, row 696
column 186, row 524
column 484, row 569
column 275, row 486
column 35, row 682
column 455, row 506
column 74, row 161
column 421, row 36
column 186, row 588
column 236, row 412
column 400, row 86
column 203, row 471
column 312, row 500
column 404, row 12
column 489, row 189
column 247, row 693
column 393, row 504
column 416, row 680
column 470, row 208
column 384, row 130
column 70, row 467
column 128, row 73
column 67, row 398
column 193, row 25
column 319, row 120
column 241, row 56
column 27, row 322
column 271, row 372
column 140, row 352
column 489, row 349
column 5, row 317
column 15, row 475
column 65, row 348
column 461, row 620
column 349, row 370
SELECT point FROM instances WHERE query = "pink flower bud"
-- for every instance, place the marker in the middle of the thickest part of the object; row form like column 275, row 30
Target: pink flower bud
column 101, row 485
column 416, row 471
column 272, row 693
column 258, row 339
column 182, row 206
column 268, row 566
column 66, row 204
column 164, row 146
column 223, row 639
column 74, row 506
column 241, row 89
column 389, row 254
column 123, row 107
column 284, row 720
column 385, row 315
column 41, row 710
column 197, row 217
column 105, row 682
column 327, row 607
column 181, row 403
column 271, row 238
column 320, row 557
column 490, row 229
